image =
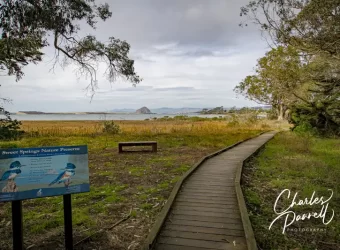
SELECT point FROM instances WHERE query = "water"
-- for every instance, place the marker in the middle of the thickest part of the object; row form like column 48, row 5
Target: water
column 93, row 117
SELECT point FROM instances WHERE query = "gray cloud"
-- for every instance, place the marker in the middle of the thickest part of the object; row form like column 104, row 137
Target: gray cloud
column 189, row 22
column 175, row 89
column 189, row 53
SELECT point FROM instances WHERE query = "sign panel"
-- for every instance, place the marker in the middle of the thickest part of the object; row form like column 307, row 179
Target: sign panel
column 27, row 173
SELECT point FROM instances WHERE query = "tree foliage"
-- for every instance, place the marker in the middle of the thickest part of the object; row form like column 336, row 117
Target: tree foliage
column 312, row 28
column 30, row 25
column 310, row 25
column 9, row 128
column 276, row 79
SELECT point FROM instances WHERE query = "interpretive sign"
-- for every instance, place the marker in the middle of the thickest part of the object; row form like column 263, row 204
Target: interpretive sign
column 27, row 173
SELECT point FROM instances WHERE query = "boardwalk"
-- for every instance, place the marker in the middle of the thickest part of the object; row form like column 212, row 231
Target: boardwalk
column 205, row 214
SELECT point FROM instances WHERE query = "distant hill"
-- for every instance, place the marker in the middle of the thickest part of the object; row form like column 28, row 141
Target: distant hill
column 166, row 110
column 31, row 112
column 143, row 110
column 122, row 110
column 217, row 110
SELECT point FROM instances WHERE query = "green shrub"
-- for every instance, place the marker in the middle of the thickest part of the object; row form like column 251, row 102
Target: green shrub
column 110, row 127
column 305, row 129
column 234, row 121
column 9, row 129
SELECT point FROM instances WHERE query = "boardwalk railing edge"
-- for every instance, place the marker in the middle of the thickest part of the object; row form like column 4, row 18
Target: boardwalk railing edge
column 165, row 210
column 248, row 229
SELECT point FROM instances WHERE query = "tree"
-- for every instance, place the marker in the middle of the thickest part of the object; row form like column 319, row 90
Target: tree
column 9, row 128
column 309, row 25
column 312, row 27
column 320, row 106
column 26, row 26
column 277, row 78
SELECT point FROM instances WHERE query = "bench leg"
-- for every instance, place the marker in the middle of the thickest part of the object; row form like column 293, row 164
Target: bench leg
column 154, row 148
column 120, row 149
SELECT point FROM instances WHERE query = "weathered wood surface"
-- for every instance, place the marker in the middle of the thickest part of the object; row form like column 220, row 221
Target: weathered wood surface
column 205, row 213
column 153, row 144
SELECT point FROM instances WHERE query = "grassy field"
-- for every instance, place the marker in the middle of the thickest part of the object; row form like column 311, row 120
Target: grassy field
column 120, row 183
column 301, row 164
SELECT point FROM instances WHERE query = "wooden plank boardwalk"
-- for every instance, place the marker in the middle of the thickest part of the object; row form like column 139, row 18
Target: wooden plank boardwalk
column 205, row 213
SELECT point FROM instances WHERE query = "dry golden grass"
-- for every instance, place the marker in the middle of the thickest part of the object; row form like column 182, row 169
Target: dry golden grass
column 92, row 128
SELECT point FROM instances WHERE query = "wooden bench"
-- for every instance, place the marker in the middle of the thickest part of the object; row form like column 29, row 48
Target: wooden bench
column 137, row 143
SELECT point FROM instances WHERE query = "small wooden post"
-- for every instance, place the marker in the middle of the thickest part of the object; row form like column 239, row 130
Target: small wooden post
column 17, row 225
column 68, row 222
column 154, row 147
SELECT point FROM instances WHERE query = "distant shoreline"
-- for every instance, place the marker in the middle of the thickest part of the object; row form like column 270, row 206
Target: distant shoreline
column 74, row 113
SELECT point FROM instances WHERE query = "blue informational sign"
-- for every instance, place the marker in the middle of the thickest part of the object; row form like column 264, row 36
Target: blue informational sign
column 28, row 173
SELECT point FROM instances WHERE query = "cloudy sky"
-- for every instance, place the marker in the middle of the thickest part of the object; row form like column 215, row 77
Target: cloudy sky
column 190, row 53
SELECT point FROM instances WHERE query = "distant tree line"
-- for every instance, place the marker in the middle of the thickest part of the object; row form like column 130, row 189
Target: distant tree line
column 234, row 110
column 300, row 75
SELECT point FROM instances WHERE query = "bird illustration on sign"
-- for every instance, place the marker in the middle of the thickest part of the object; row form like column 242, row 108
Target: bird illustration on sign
column 9, row 176
column 65, row 176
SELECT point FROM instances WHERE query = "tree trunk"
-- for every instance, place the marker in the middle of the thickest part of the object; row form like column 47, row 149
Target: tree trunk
column 280, row 112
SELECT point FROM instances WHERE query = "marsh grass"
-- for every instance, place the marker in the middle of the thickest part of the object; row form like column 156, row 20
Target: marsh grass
column 193, row 125
column 303, row 164
column 119, row 182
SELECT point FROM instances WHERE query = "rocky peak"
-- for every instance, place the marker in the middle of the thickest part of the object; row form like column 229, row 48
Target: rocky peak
column 143, row 110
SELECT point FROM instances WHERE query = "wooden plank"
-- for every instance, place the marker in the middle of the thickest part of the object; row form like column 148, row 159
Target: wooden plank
column 207, row 197
column 211, row 174
column 206, row 213
column 199, row 243
column 205, row 218
column 214, row 170
column 208, row 185
column 225, row 202
column 205, row 209
column 132, row 143
column 229, row 189
column 203, row 191
column 206, row 205
column 208, row 193
column 153, row 145
column 216, row 191
column 208, row 182
column 208, row 230
column 203, row 179
column 203, row 236
column 176, row 247
column 205, row 224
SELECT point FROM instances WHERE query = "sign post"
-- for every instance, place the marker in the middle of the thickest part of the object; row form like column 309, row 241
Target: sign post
column 17, row 225
column 28, row 173
column 68, row 222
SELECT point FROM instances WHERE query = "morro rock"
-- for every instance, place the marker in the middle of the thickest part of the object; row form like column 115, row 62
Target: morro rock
column 143, row 110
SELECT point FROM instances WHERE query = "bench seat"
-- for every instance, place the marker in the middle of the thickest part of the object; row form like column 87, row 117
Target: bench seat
column 153, row 144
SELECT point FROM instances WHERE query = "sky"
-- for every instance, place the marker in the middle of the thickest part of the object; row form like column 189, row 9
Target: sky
column 190, row 53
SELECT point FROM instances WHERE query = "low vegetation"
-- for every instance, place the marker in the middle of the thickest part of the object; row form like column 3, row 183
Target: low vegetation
column 120, row 183
column 302, row 164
